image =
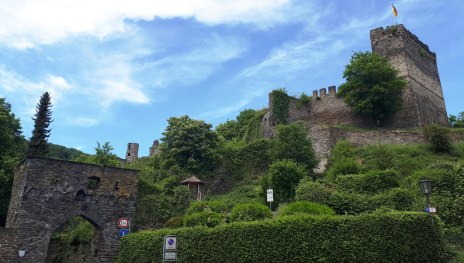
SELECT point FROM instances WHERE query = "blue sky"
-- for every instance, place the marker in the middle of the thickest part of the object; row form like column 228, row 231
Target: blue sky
column 117, row 70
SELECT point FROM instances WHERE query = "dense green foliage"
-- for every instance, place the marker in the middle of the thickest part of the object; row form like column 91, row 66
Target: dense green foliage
column 457, row 121
column 284, row 177
column 76, row 234
column 205, row 218
column 373, row 87
column 103, row 156
column 250, row 212
column 292, row 143
column 305, row 207
column 438, row 138
column 280, row 103
column 63, row 153
column 38, row 145
column 381, row 237
column 12, row 147
column 214, row 206
column 371, row 182
column 191, row 144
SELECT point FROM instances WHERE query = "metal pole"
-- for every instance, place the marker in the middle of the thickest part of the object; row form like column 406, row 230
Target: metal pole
column 428, row 202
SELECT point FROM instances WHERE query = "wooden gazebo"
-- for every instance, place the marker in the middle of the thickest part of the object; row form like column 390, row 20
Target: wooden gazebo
column 196, row 187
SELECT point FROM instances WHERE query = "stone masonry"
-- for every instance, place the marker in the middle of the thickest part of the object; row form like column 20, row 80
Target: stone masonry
column 47, row 193
column 132, row 152
column 423, row 101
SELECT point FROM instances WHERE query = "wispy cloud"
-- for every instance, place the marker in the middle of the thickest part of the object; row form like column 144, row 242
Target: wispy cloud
column 29, row 91
column 194, row 65
column 26, row 24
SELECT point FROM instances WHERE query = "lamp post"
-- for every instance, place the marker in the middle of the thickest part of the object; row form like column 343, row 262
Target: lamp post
column 426, row 188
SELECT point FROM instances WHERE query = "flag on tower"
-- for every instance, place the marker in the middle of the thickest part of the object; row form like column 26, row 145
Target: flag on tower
column 395, row 12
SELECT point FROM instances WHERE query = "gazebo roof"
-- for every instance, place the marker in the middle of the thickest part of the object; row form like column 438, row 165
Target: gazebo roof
column 192, row 180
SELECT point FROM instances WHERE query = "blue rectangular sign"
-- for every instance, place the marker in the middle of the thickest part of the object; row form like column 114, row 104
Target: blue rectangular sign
column 123, row 232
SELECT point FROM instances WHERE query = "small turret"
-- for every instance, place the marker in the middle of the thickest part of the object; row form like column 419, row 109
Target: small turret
column 154, row 150
column 132, row 152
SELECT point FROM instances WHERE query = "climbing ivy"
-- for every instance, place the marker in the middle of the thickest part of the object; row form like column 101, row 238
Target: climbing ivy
column 280, row 103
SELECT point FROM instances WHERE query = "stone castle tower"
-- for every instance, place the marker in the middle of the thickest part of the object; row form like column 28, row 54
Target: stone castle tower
column 132, row 152
column 423, row 101
column 154, row 149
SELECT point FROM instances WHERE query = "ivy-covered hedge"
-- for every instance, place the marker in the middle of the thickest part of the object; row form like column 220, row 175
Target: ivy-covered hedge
column 379, row 237
column 280, row 104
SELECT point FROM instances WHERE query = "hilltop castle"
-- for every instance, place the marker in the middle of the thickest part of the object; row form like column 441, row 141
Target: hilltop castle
column 423, row 102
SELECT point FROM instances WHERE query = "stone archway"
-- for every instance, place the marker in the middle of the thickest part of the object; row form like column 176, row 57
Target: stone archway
column 75, row 241
column 47, row 193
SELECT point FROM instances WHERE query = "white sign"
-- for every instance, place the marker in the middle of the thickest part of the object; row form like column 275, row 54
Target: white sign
column 170, row 242
column 431, row 210
column 170, row 255
column 270, row 195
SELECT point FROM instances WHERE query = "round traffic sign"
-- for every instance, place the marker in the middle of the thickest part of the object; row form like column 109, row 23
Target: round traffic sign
column 123, row 222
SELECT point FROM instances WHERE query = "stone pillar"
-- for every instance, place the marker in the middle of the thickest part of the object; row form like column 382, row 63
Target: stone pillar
column 323, row 92
column 315, row 94
column 332, row 90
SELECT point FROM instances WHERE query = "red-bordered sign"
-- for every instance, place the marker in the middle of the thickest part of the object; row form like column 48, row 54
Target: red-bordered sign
column 123, row 222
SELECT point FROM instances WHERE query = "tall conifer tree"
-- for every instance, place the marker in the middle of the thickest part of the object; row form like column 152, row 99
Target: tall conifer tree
column 43, row 117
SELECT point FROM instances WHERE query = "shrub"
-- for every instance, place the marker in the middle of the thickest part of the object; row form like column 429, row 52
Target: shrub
column 305, row 207
column 342, row 167
column 313, row 191
column 398, row 199
column 250, row 212
column 205, row 218
column 285, row 176
column 175, row 222
column 214, row 206
column 370, row 183
column 384, row 237
column 438, row 138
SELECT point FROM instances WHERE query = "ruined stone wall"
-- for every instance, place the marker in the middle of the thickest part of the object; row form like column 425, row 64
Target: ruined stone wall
column 132, row 152
column 47, row 193
column 423, row 101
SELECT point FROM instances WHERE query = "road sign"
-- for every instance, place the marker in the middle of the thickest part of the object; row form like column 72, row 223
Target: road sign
column 169, row 255
column 430, row 210
column 170, row 242
column 123, row 222
column 270, row 195
column 123, row 232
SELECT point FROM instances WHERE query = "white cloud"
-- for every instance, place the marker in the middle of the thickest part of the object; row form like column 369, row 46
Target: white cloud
column 26, row 24
column 84, row 121
column 29, row 90
column 195, row 65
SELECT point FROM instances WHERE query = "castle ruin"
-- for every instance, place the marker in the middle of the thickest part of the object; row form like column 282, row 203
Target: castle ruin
column 423, row 102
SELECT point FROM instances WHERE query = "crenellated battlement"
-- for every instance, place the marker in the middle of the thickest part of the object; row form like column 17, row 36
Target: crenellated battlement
column 323, row 92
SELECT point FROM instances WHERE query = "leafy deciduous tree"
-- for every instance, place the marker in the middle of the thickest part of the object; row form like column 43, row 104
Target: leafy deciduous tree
column 373, row 87
column 43, row 117
column 284, row 178
column 457, row 121
column 191, row 144
column 291, row 143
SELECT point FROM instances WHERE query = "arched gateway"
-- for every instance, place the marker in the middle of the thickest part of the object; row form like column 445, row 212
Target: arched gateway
column 47, row 193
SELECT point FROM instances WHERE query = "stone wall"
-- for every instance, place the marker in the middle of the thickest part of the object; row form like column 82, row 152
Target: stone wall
column 7, row 251
column 423, row 101
column 47, row 193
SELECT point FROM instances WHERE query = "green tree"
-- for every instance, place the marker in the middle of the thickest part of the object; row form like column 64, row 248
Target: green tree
column 191, row 144
column 438, row 138
column 11, row 142
column 373, row 87
column 292, row 143
column 284, row 178
column 228, row 130
column 457, row 121
column 43, row 117
column 103, row 156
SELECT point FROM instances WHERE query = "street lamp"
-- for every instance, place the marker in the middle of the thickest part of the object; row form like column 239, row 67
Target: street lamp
column 426, row 188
